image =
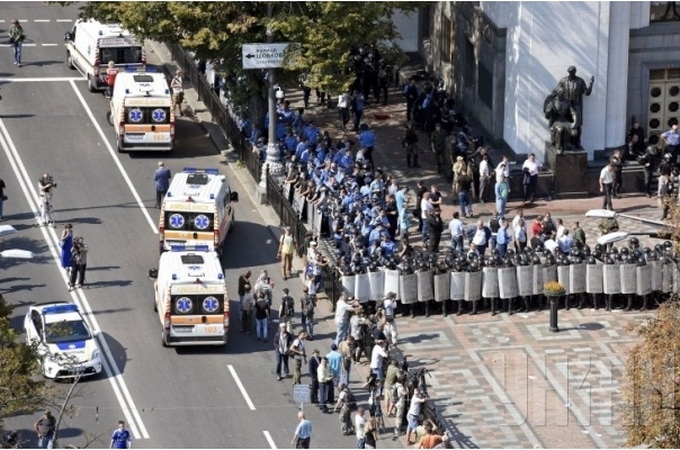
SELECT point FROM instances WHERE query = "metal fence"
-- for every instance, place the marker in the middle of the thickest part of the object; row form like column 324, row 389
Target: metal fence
column 276, row 197
column 219, row 112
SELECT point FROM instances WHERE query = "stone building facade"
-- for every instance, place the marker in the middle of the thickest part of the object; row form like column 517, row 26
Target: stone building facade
column 501, row 59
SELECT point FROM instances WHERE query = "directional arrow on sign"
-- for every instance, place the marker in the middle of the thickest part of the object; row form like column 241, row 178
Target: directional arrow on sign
column 250, row 55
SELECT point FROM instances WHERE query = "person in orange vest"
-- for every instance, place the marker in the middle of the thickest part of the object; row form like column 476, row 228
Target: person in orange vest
column 111, row 73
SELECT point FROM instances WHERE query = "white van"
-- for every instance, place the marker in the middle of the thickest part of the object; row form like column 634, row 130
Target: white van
column 142, row 113
column 197, row 210
column 190, row 297
column 90, row 45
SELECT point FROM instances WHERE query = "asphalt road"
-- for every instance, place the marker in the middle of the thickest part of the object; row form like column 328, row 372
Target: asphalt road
column 187, row 398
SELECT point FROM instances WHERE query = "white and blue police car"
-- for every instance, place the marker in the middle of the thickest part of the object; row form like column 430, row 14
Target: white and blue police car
column 66, row 346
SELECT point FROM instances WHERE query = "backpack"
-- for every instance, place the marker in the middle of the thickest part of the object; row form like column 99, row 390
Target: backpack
column 395, row 392
column 288, row 306
column 308, row 306
column 350, row 400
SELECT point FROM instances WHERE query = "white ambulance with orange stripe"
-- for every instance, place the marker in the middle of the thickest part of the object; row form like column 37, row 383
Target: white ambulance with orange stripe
column 90, row 45
column 141, row 112
column 198, row 209
column 190, row 297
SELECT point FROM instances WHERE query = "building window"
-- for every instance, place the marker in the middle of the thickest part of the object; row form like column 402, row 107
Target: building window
column 485, row 85
column 470, row 62
column 664, row 102
column 447, row 39
column 426, row 16
column 664, row 12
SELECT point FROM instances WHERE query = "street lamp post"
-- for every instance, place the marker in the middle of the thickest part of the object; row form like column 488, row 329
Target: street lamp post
column 272, row 164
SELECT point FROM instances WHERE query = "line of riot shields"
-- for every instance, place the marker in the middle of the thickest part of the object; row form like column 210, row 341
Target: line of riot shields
column 629, row 277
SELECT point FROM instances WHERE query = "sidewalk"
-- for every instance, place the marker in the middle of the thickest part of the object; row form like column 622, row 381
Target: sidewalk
column 501, row 381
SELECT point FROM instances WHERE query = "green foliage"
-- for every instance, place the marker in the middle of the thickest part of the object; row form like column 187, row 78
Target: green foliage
column 651, row 382
column 20, row 390
column 327, row 33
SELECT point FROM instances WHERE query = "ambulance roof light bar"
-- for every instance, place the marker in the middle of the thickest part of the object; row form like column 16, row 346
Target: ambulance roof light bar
column 189, row 248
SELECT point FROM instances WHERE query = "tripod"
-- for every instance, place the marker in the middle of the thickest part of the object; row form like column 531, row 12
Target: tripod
column 46, row 209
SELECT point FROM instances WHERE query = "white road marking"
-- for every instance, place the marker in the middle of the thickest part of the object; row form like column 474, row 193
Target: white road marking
column 64, row 20
column 49, row 234
column 41, row 20
column 269, row 439
column 237, row 380
column 49, row 45
column 39, row 80
column 113, row 154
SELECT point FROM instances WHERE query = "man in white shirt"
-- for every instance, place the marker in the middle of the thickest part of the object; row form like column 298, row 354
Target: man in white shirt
column 425, row 208
column 457, row 230
column 484, row 176
column 390, row 329
column 412, row 415
column 503, row 168
column 359, row 423
column 343, row 310
column 560, row 229
column 481, row 237
column 377, row 355
column 343, row 109
column 606, row 184
column 530, row 170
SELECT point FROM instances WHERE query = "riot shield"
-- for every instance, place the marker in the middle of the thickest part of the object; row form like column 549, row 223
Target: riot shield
column 549, row 274
column 577, row 278
column 362, row 288
column 594, row 281
column 376, row 280
column 408, row 285
column 442, row 282
column 457, row 287
column 667, row 281
column 348, row 283
column 490, row 283
column 507, row 282
column 644, row 280
column 537, row 287
column 473, row 285
column 392, row 283
column 564, row 278
column 628, row 278
column 425, row 285
column 611, row 279
column 657, row 275
column 525, row 280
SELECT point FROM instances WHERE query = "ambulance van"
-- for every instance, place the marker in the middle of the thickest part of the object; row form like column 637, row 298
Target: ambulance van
column 141, row 112
column 190, row 297
column 198, row 209
column 90, row 45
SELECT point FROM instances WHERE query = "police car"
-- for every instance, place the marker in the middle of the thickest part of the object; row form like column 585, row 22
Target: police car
column 66, row 346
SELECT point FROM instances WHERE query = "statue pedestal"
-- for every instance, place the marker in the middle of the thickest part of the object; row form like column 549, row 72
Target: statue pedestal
column 569, row 172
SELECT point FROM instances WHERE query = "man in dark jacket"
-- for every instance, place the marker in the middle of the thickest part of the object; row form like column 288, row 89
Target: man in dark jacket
column 436, row 229
column 282, row 342
column 648, row 162
column 313, row 366
column 410, row 144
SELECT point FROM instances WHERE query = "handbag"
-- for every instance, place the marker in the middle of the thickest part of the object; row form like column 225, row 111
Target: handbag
column 4, row 198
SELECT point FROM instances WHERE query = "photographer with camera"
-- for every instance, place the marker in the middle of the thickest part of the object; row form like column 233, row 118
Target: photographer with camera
column 46, row 184
column 78, row 263
column 413, row 413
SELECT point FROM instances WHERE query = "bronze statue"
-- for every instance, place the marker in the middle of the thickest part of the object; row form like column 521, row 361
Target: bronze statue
column 561, row 115
column 573, row 89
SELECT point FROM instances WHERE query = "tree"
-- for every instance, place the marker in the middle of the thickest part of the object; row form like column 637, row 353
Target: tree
column 651, row 382
column 327, row 33
column 21, row 391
